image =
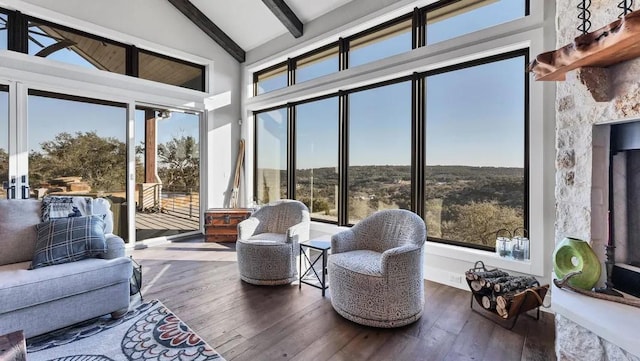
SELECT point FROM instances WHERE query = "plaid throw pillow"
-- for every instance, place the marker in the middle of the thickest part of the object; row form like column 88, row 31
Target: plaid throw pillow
column 65, row 240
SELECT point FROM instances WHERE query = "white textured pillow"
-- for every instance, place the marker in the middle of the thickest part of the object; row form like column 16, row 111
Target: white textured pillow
column 102, row 206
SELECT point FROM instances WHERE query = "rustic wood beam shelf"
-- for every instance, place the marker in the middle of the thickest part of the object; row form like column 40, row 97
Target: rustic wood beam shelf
column 609, row 45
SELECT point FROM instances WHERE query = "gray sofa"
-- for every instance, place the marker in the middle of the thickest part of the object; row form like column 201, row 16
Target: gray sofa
column 44, row 299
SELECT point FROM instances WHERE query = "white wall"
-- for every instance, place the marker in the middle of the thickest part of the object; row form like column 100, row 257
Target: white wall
column 158, row 26
column 443, row 263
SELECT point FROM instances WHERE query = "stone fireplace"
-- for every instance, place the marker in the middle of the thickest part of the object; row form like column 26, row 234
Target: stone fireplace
column 587, row 328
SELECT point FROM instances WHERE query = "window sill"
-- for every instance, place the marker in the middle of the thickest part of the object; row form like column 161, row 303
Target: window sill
column 490, row 259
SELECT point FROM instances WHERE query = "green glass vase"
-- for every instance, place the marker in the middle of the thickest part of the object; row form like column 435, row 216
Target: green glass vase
column 573, row 255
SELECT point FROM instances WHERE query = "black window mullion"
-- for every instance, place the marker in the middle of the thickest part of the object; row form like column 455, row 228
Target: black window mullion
column 418, row 144
column 343, row 161
column 291, row 152
column 132, row 66
column 417, row 29
column 18, row 35
column 291, row 72
column 343, row 54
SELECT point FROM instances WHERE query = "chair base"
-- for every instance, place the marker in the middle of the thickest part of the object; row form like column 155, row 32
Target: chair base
column 284, row 281
column 378, row 323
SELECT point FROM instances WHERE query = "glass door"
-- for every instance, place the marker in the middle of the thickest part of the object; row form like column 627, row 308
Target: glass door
column 77, row 146
column 167, row 190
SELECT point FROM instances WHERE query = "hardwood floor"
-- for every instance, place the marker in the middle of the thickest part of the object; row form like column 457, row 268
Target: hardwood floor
column 199, row 282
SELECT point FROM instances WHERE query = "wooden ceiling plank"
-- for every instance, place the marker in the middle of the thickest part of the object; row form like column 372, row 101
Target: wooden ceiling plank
column 286, row 16
column 208, row 27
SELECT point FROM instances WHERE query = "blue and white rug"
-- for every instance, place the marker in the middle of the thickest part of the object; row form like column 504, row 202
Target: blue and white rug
column 148, row 332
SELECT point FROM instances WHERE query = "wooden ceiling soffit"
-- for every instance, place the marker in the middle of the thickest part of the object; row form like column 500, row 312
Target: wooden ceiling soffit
column 286, row 16
column 208, row 27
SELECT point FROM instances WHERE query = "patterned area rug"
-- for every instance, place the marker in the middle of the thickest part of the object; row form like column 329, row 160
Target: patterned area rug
column 148, row 332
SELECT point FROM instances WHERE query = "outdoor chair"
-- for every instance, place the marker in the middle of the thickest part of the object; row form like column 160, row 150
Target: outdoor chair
column 376, row 269
column 268, row 242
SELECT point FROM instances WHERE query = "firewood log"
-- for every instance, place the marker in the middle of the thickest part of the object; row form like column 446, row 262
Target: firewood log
column 490, row 282
column 504, row 313
column 489, row 274
column 489, row 302
column 504, row 300
column 476, row 286
column 516, row 283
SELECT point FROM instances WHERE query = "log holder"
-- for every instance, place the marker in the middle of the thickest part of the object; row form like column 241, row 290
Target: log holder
column 522, row 303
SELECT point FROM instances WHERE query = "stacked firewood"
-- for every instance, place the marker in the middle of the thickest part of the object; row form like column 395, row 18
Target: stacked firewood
column 495, row 290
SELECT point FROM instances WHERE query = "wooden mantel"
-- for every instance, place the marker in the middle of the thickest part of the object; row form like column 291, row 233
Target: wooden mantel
column 609, row 45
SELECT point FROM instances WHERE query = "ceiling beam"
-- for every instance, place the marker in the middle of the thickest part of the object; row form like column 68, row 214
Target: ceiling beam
column 286, row 16
column 208, row 27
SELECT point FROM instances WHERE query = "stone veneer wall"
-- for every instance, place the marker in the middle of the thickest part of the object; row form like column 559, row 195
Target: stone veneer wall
column 581, row 164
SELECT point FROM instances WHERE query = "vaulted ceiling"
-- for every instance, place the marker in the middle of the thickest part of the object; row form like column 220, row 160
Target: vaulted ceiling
column 241, row 25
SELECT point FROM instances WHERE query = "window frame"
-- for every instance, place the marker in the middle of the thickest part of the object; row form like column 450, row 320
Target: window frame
column 526, row 117
column 18, row 41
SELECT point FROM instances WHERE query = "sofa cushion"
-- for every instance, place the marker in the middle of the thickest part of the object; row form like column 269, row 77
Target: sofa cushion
column 17, row 229
column 21, row 287
column 65, row 240
column 362, row 262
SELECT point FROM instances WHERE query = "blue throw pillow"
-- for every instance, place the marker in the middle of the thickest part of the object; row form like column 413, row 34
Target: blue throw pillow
column 65, row 240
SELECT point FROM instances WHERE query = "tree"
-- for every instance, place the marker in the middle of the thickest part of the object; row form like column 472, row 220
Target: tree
column 479, row 222
column 179, row 163
column 100, row 161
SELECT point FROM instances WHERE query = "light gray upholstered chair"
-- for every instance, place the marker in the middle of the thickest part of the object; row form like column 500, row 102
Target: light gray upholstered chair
column 267, row 244
column 376, row 269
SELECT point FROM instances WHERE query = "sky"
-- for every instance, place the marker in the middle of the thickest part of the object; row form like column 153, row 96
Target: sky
column 474, row 116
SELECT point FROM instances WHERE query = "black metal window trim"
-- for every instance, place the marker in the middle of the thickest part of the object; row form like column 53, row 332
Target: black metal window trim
column 418, row 135
column 487, row 60
column 201, row 67
column 18, row 40
column 75, row 98
column 418, row 39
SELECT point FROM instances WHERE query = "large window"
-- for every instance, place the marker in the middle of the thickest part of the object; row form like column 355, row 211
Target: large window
column 390, row 40
column 271, row 165
column 466, row 16
column 475, row 151
column 4, row 139
column 379, row 150
column 317, row 157
column 61, row 44
column 449, row 143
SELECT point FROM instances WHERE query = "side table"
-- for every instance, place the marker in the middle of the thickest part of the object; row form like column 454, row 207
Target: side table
column 310, row 272
column 12, row 347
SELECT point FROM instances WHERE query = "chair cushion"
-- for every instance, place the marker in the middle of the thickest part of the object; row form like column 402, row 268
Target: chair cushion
column 269, row 238
column 362, row 261
column 63, row 240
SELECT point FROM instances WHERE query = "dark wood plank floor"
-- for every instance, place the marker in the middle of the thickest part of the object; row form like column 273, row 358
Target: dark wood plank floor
column 199, row 282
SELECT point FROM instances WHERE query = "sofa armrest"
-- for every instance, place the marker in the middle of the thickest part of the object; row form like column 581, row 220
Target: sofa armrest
column 115, row 247
column 247, row 228
column 298, row 232
column 344, row 241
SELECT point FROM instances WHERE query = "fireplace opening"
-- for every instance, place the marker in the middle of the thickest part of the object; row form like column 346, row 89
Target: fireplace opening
column 624, row 205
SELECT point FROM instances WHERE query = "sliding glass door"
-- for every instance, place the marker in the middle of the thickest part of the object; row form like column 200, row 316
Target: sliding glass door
column 167, row 172
column 77, row 146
